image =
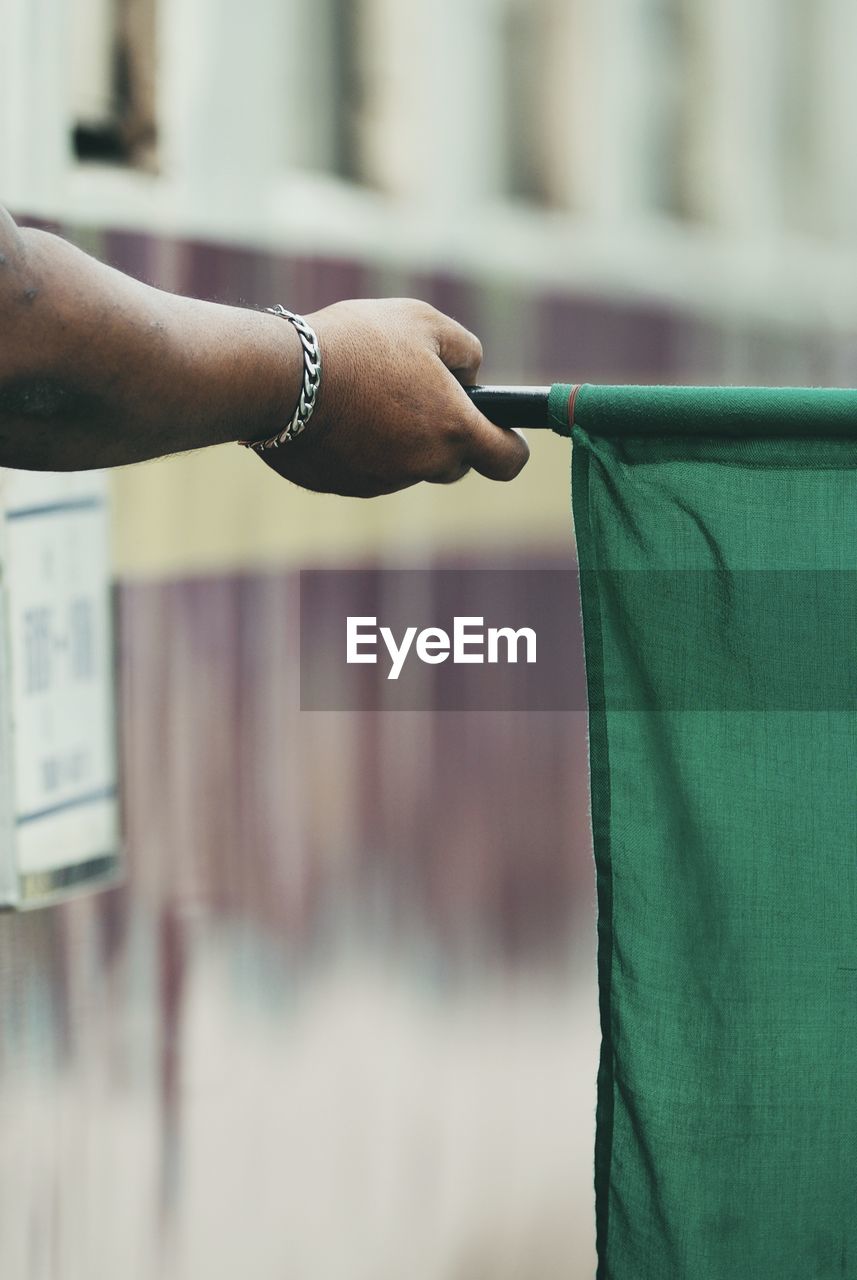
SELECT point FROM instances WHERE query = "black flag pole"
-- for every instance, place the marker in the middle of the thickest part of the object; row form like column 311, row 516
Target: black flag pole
column 512, row 406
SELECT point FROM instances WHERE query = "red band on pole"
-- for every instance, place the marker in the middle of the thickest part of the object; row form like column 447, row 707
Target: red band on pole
column 571, row 400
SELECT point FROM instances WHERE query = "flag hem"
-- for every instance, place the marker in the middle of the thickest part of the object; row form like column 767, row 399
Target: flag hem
column 600, row 806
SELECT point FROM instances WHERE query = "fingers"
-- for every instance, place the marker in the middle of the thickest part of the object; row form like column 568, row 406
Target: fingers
column 499, row 453
column 459, row 349
column 451, row 473
column 495, row 452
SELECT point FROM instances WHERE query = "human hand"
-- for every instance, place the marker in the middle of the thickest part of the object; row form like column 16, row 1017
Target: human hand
column 391, row 410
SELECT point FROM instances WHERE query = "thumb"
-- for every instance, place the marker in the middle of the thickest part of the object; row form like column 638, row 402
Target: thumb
column 499, row 453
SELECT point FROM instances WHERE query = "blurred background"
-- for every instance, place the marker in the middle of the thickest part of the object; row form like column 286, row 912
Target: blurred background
column 340, row 1023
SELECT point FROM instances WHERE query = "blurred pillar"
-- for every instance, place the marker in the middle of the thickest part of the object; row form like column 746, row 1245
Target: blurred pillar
column 835, row 101
column 225, row 87
column 623, row 87
column 35, row 86
column 430, row 126
column 735, row 146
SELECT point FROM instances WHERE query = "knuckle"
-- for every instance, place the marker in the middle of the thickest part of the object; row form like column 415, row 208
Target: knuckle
column 421, row 309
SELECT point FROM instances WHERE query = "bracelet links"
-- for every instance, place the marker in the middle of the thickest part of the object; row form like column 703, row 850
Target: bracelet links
column 309, row 385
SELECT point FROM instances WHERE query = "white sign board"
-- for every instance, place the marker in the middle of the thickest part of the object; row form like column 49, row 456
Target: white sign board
column 59, row 829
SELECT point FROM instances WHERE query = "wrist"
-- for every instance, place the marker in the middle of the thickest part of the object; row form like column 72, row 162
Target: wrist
column 280, row 373
column 310, row 383
column 241, row 368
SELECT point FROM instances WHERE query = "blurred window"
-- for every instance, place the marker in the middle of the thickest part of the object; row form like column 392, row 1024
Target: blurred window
column 652, row 119
column 114, row 116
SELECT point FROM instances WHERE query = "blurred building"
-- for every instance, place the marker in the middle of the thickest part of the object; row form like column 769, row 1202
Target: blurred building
column 606, row 189
column 340, row 1023
column 625, row 143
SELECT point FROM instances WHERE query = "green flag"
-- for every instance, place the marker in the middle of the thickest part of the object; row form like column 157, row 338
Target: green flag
column 717, row 541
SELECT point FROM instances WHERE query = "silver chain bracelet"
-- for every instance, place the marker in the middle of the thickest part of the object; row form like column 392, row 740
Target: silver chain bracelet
column 309, row 386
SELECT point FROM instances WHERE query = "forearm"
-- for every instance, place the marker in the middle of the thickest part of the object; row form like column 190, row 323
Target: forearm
column 97, row 369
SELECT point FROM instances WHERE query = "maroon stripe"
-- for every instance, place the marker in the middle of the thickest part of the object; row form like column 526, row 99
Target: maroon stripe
column 571, row 403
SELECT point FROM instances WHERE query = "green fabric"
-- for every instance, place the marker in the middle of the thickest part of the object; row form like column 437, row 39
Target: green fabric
column 761, row 412
column 717, row 541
